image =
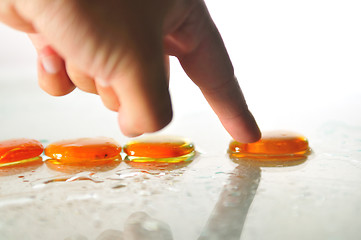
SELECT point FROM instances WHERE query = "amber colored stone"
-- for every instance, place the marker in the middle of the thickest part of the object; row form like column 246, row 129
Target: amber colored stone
column 19, row 151
column 83, row 150
column 159, row 149
column 274, row 145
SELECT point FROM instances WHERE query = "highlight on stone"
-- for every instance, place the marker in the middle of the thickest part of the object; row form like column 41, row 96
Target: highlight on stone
column 167, row 149
column 273, row 146
column 22, row 151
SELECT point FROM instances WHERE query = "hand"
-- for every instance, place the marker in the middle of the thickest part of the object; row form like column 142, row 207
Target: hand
column 119, row 50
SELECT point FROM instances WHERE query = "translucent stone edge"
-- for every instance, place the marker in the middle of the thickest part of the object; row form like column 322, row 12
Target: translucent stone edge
column 55, row 161
column 38, row 158
column 183, row 158
column 271, row 157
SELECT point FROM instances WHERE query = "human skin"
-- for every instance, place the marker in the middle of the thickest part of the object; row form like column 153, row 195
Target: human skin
column 119, row 49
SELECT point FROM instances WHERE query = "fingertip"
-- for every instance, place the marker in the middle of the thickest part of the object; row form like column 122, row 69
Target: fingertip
column 250, row 137
column 126, row 128
column 243, row 128
column 133, row 125
column 246, row 136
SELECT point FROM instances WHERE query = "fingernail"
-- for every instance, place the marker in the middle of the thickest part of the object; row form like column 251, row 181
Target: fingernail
column 51, row 64
column 102, row 82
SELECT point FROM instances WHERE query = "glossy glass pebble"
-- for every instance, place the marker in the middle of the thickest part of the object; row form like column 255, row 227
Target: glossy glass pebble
column 20, row 151
column 273, row 146
column 83, row 154
column 159, row 149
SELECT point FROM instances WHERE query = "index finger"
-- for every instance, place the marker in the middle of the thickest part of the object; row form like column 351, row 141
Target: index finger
column 209, row 66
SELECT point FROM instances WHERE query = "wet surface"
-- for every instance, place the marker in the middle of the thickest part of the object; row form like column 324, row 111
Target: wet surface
column 212, row 197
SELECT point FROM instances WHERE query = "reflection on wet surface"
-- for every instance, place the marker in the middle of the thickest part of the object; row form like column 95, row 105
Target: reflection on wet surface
column 110, row 234
column 138, row 225
column 101, row 165
column 228, row 217
column 226, row 220
column 229, row 214
column 69, row 178
column 161, row 166
column 15, row 168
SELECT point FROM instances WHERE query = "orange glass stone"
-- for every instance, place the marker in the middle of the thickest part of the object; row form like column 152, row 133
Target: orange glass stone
column 83, row 154
column 19, row 151
column 274, row 145
column 159, row 149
